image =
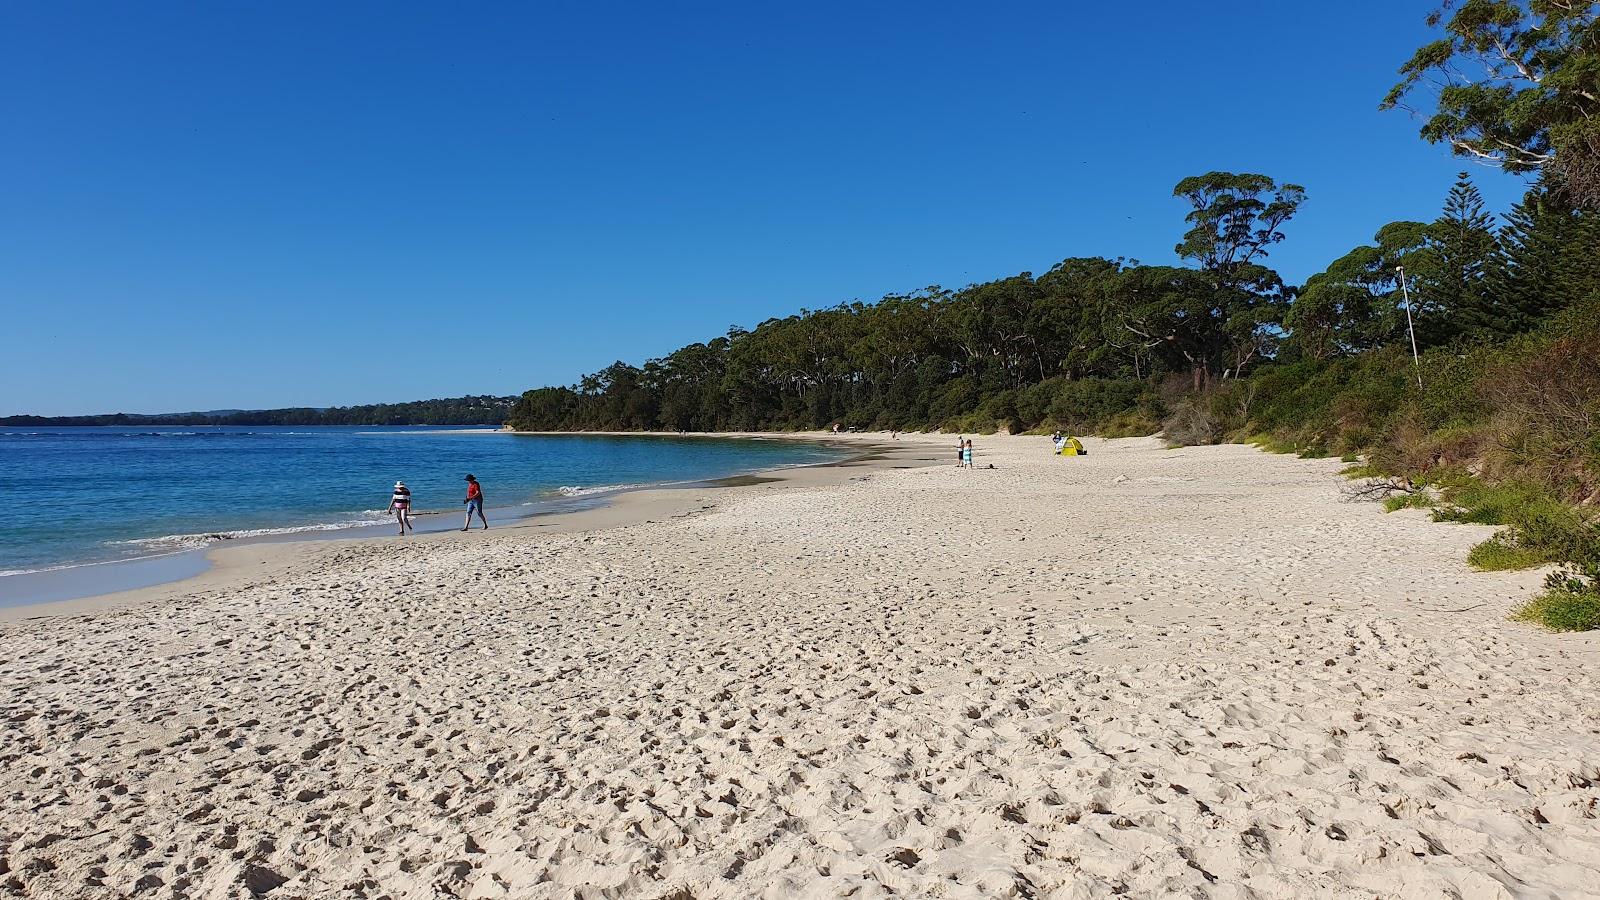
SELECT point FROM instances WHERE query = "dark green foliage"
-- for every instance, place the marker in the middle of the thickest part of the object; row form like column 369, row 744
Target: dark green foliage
column 1451, row 293
column 1548, row 256
column 1414, row 500
column 1357, row 304
column 1514, row 83
column 1234, row 219
column 1567, row 606
column 1571, row 597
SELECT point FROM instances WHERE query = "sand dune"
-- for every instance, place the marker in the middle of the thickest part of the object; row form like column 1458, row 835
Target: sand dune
column 1144, row 672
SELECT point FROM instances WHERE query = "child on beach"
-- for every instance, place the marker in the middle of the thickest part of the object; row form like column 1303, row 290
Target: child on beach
column 474, row 503
column 966, row 454
column 400, row 505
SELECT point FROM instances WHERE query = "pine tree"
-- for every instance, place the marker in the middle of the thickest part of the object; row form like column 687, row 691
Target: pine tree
column 1549, row 256
column 1528, row 262
column 1457, row 302
column 1578, row 273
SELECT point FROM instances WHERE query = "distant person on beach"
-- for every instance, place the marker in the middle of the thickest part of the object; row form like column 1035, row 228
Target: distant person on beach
column 474, row 502
column 966, row 454
column 400, row 505
column 961, row 451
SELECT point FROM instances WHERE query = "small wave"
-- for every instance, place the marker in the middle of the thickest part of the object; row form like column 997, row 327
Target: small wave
column 6, row 573
column 574, row 491
column 79, row 565
column 172, row 542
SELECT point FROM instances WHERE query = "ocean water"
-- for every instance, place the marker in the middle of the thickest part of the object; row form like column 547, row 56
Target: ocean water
column 84, row 495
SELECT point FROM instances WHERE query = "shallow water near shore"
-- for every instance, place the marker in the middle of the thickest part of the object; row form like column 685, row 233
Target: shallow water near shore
column 98, row 495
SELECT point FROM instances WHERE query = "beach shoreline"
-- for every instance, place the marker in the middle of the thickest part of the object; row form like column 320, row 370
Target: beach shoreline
column 1148, row 671
column 99, row 586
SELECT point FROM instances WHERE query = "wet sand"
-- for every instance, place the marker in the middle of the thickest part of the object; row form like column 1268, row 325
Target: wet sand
column 69, row 589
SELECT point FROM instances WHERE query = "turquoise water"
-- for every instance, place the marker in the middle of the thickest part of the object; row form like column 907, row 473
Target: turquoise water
column 78, row 495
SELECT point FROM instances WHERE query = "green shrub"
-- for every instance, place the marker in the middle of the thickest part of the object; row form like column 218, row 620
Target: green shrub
column 1084, row 405
column 1134, row 423
column 957, row 398
column 1563, row 607
column 1272, row 443
column 1412, row 500
column 1361, row 470
column 999, row 411
column 1191, row 423
column 1539, row 528
column 1496, row 503
column 1497, row 554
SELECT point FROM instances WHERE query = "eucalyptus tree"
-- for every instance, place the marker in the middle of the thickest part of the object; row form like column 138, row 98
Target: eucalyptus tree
column 1223, row 321
column 1234, row 221
column 1355, row 304
column 1515, row 83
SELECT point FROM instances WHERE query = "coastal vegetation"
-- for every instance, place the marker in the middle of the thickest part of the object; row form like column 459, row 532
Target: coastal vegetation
column 481, row 410
column 1494, row 420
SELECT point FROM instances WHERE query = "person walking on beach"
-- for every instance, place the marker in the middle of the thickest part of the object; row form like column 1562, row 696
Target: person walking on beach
column 400, row 505
column 474, row 502
column 966, row 453
column 961, row 451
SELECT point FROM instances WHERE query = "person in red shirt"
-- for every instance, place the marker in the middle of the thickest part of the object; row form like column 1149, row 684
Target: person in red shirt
column 474, row 502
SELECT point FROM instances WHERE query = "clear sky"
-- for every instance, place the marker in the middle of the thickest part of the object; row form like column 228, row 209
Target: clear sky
column 219, row 205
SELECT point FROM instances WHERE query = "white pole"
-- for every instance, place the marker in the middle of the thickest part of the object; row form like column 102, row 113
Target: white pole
column 1416, row 361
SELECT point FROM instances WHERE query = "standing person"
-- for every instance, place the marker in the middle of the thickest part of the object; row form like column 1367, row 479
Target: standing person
column 474, row 501
column 400, row 505
column 966, row 454
column 961, row 451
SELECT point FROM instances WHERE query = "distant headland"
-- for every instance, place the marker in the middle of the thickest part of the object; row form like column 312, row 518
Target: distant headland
column 478, row 410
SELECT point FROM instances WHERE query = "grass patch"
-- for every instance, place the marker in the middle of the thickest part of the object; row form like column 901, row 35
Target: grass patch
column 1272, row 444
column 1563, row 607
column 1363, row 470
column 1414, row 500
column 1498, row 554
column 1128, row 424
column 1497, row 503
column 1539, row 527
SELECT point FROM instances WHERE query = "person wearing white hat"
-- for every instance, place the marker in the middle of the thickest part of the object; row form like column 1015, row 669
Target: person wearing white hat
column 400, row 505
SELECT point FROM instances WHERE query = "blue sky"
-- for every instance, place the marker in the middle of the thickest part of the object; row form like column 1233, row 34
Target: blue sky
column 228, row 205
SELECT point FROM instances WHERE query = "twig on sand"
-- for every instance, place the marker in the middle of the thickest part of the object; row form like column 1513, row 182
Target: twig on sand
column 1462, row 609
column 1377, row 489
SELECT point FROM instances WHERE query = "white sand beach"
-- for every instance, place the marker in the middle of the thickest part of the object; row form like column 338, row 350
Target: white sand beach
column 1144, row 672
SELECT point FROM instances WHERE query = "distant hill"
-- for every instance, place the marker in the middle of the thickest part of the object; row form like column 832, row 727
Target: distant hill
column 482, row 410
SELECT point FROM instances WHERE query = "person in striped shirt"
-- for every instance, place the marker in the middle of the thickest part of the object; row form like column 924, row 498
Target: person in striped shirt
column 400, row 505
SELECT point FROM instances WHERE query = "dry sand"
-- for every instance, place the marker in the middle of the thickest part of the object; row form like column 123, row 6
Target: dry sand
column 1144, row 672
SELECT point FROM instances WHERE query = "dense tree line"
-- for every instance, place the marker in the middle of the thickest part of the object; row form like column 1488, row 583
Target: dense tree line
column 482, row 410
column 1025, row 350
column 1515, row 83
